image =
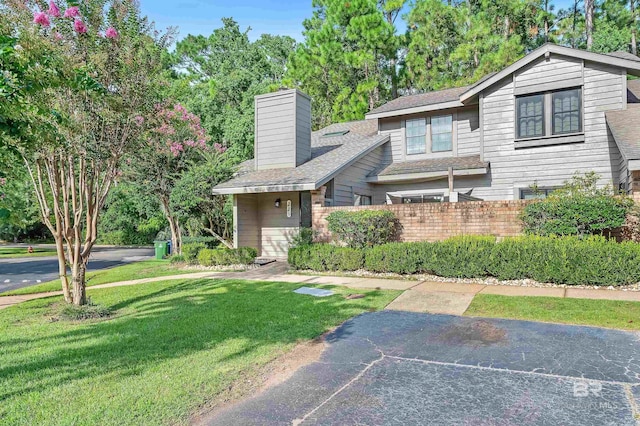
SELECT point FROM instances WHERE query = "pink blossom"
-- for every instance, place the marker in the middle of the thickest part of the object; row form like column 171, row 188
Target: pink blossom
column 80, row 27
column 111, row 33
column 57, row 36
column 139, row 120
column 72, row 12
column 53, row 10
column 41, row 18
column 3, row 181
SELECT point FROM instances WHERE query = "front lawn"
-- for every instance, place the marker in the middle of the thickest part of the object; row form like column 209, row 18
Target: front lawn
column 131, row 271
column 600, row 313
column 170, row 348
column 13, row 252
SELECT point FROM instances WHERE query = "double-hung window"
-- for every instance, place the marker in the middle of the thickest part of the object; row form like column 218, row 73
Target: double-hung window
column 416, row 134
column 441, row 133
column 566, row 112
column 556, row 113
column 530, row 120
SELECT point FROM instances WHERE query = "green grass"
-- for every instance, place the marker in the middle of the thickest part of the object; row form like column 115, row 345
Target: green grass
column 131, row 271
column 170, row 348
column 7, row 252
column 600, row 313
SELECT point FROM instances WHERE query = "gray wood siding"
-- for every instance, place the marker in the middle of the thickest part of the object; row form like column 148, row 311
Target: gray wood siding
column 556, row 72
column 275, row 131
column 246, row 228
column 303, row 129
column 352, row 180
column 512, row 169
column 276, row 229
column 466, row 134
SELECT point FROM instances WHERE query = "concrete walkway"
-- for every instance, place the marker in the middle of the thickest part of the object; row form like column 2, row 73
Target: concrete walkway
column 418, row 296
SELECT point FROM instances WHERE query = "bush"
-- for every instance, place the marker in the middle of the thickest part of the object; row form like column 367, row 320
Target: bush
column 84, row 312
column 364, row 228
column 398, row 258
column 190, row 251
column 209, row 242
column 460, row 257
column 224, row 256
column 573, row 260
column 303, row 238
column 578, row 208
column 177, row 258
column 326, row 257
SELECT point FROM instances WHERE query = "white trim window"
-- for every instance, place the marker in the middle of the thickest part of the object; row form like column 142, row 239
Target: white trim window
column 441, row 133
column 416, row 136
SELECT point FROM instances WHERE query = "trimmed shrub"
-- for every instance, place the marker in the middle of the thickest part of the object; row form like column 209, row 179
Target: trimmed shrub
column 224, row 256
column 573, row 260
column 326, row 257
column 364, row 228
column 303, row 238
column 398, row 258
column 460, row 257
column 190, row 251
column 578, row 208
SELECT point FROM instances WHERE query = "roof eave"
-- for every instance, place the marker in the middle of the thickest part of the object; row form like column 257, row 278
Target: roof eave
column 415, row 110
column 264, row 188
column 408, row 177
column 628, row 64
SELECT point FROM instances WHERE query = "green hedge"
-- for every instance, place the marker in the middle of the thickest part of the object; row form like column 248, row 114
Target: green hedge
column 190, row 251
column 224, row 256
column 364, row 228
column 592, row 260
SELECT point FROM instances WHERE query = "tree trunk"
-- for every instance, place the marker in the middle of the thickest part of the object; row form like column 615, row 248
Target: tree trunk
column 174, row 226
column 62, row 268
column 634, row 28
column 78, row 275
column 588, row 21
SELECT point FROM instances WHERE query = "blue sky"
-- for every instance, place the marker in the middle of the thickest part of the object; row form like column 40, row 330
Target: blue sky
column 282, row 17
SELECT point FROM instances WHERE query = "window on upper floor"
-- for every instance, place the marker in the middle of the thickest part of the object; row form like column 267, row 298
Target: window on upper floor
column 530, row 120
column 441, row 133
column 567, row 116
column 549, row 114
column 416, row 134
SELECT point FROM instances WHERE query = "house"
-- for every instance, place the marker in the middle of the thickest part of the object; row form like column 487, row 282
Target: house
column 553, row 113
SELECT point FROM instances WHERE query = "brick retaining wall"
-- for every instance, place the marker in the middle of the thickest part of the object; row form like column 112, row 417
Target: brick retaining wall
column 439, row 221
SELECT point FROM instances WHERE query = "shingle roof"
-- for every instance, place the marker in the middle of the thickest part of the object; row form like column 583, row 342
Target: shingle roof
column 625, row 128
column 633, row 91
column 328, row 156
column 624, row 55
column 421, row 99
column 432, row 165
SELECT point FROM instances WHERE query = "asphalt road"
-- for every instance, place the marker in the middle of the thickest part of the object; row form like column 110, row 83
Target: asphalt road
column 400, row 368
column 23, row 272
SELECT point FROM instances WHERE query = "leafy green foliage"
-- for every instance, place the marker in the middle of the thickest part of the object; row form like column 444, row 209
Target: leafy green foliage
column 225, row 257
column 303, row 238
column 364, row 228
column 580, row 207
column 190, row 251
column 592, row 260
column 326, row 257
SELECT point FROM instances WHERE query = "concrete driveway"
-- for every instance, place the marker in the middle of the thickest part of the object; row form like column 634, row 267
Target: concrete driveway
column 22, row 272
column 399, row 368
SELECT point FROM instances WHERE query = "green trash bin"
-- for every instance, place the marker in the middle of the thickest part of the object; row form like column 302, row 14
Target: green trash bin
column 162, row 249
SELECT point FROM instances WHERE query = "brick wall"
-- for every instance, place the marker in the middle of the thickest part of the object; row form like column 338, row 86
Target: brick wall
column 439, row 221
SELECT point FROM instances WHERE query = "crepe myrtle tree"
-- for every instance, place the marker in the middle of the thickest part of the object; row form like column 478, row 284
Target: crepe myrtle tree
column 102, row 62
column 175, row 140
